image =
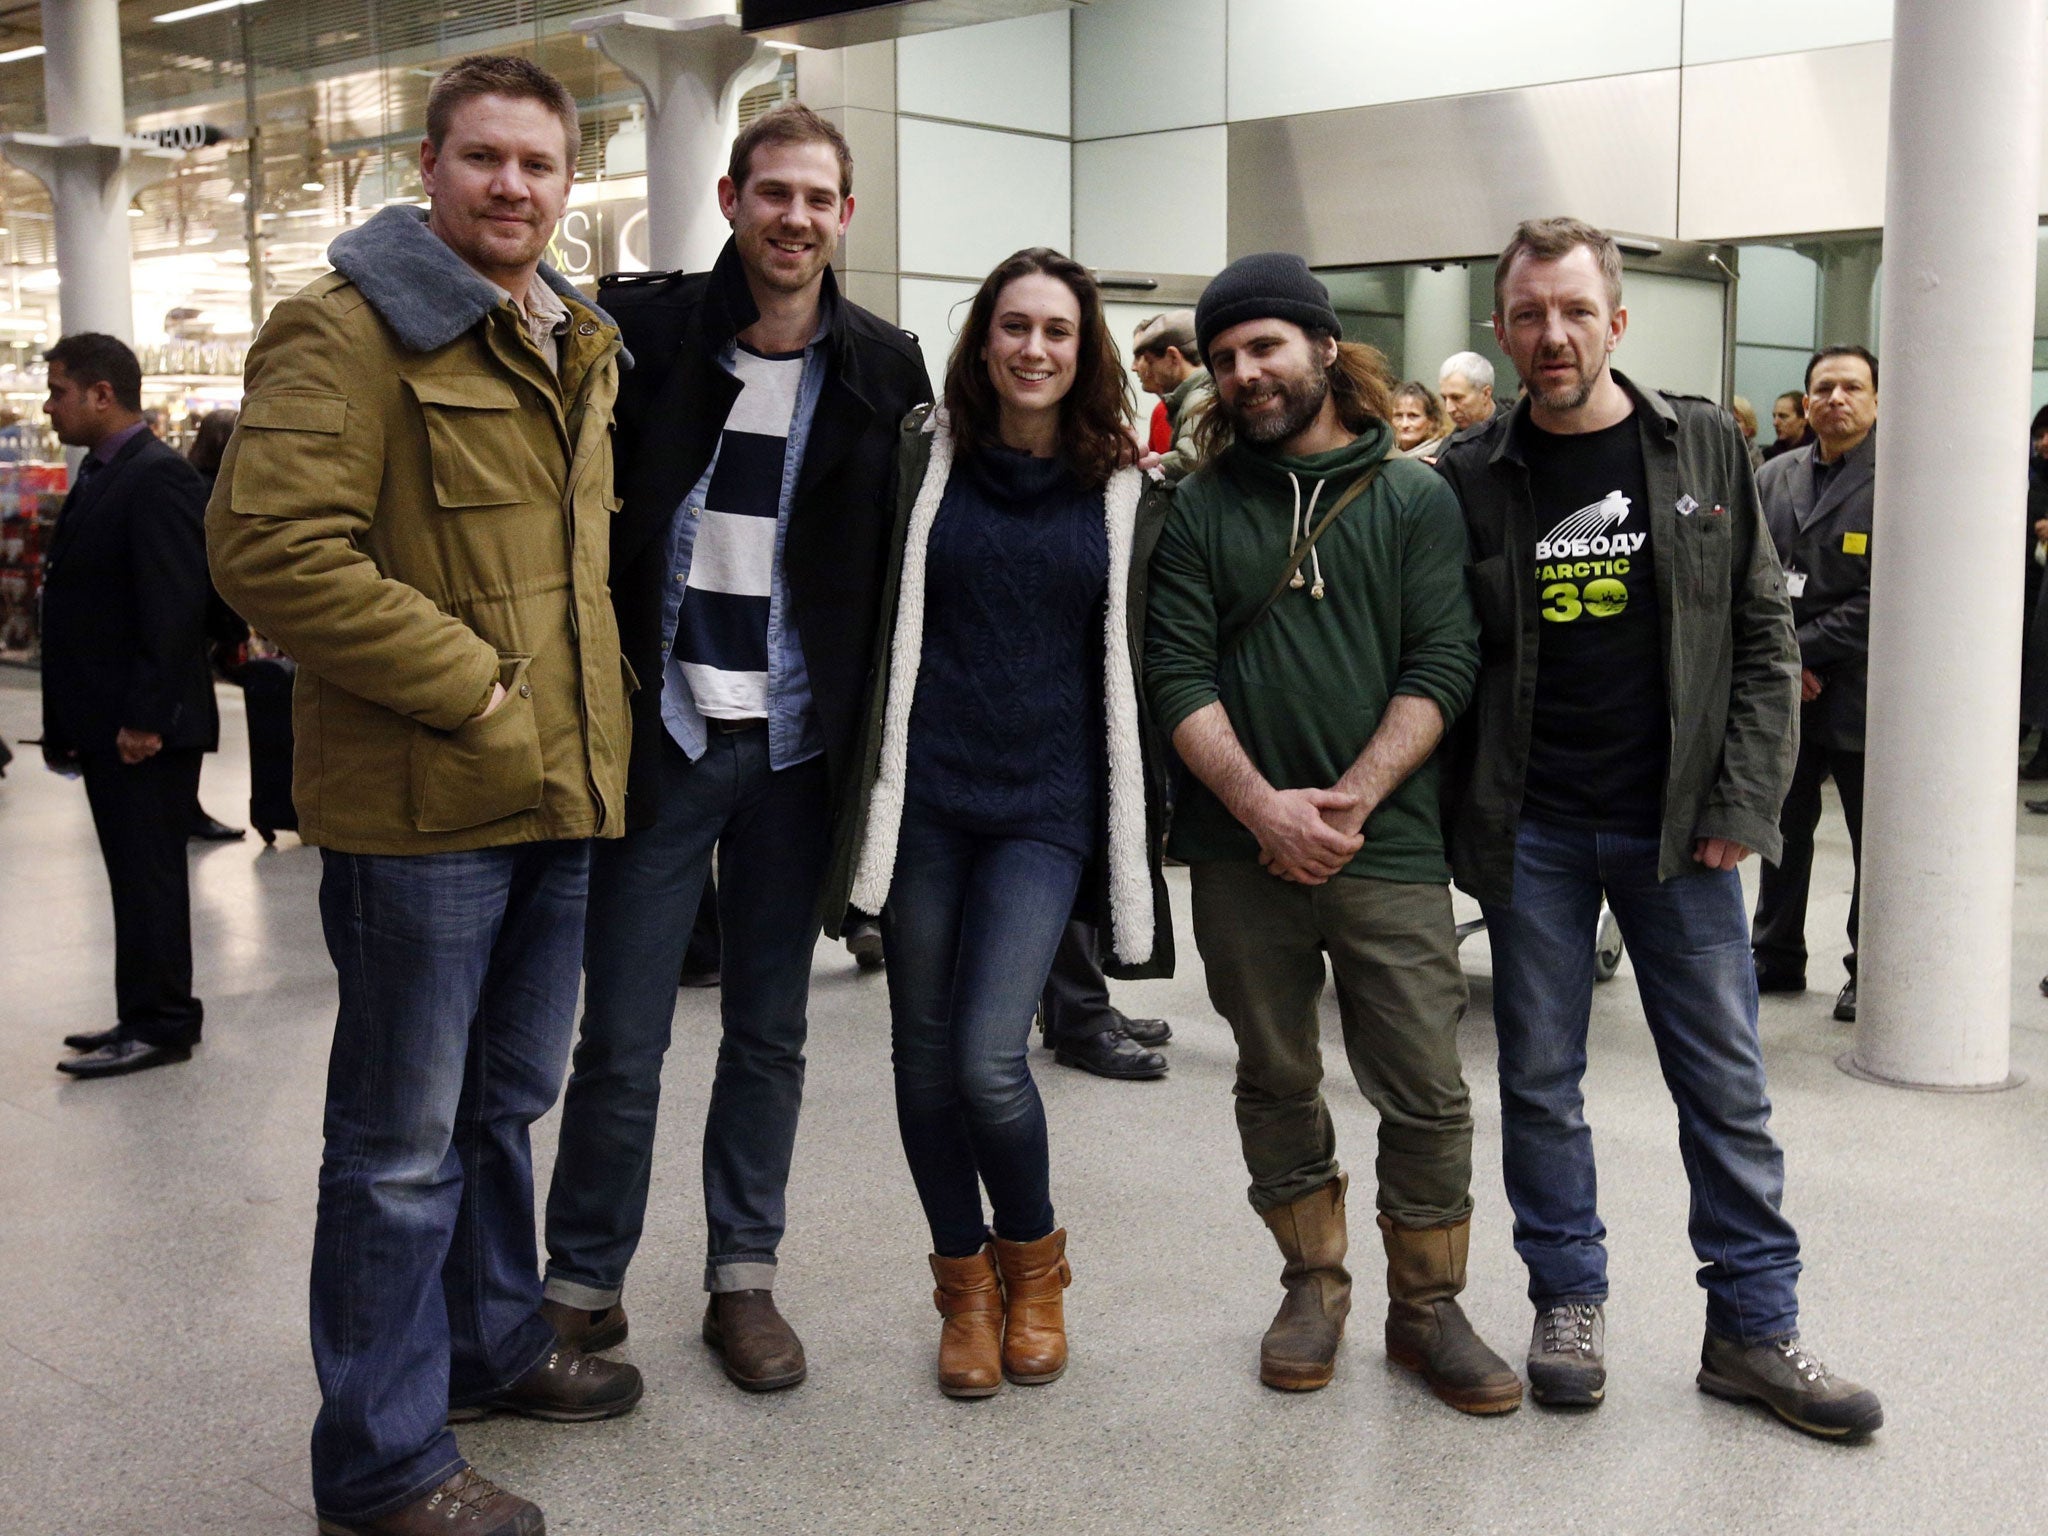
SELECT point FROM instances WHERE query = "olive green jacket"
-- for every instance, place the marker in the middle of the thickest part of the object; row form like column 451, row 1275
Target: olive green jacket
column 415, row 506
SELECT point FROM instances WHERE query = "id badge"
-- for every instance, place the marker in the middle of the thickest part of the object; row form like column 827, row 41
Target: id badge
column 1795, row 584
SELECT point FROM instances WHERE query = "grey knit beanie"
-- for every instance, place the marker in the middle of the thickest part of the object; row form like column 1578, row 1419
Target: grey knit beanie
column 1275, row 285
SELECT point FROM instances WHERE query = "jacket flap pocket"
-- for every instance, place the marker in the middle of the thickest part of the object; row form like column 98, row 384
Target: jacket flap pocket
column 302, row 411
column 464, row 391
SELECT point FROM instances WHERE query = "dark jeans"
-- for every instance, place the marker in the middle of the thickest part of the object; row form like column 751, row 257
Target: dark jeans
column 1779, row 934
column 1076, row 996
column 1690, row 948
column 969, row 929
column 772, row 831
column 1393, row 949
column 457, row 975
column 142, row 812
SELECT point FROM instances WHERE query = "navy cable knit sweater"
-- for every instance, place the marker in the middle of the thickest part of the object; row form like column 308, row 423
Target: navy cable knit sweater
column 1006, row 725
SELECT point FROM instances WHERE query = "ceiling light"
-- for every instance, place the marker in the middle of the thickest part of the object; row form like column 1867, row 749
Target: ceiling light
column 312, row 186
column 14, row 55
column 200, row 10
column 238, row 197
column 134, row 213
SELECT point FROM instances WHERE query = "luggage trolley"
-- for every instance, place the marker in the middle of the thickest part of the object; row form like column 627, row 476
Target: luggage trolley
column 1606, row 942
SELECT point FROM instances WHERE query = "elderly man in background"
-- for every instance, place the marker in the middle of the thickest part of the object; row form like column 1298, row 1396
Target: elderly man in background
column 1465, row 384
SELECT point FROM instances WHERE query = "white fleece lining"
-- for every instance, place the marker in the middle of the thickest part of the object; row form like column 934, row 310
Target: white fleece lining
column 1130, row 877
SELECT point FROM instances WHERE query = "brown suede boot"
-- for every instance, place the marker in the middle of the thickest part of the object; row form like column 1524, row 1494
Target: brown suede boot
column 760, row 1351
column 1034, row 1311
column 583, row 1329
column 970, row 1298
column 1427, row 1331
column 1299, row 1351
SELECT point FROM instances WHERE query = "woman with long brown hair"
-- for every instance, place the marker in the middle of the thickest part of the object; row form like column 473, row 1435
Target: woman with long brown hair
column 1010, row 781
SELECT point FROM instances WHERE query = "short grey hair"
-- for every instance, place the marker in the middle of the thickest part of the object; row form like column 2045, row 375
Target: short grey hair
column 1469, row 366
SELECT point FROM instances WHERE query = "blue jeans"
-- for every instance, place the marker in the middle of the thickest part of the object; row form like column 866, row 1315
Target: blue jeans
column 1689, row 943
column 457, row 975
column 970, row 929
column 772, row 831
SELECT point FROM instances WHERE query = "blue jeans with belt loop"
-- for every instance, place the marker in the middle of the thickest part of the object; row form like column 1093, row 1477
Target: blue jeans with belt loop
column 970, row 929
column 457, row 976
column 1689, row 944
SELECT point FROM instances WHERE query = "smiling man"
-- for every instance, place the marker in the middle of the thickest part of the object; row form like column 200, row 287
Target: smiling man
column 756, row 445
column 415, row 507
column 1632, row 736
column 1309, row 640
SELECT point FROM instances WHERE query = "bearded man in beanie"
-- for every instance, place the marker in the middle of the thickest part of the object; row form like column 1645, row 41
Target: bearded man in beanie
column 1310, row 640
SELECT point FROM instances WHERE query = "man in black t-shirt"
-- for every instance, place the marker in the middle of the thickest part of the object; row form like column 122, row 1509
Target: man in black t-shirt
column 1632, row 738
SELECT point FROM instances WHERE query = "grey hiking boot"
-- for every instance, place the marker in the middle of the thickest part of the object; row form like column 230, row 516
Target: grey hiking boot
column 1790, row 1380
column 1568, row 1355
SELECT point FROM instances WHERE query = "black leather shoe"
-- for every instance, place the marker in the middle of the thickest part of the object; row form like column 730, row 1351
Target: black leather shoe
column 1845, row 1002
column 1147, row 1032
column 1110, row 1053
column 97, row 1039
column 1770, row 979
column 124, row 1056
column 205, row 829
column 864, row 942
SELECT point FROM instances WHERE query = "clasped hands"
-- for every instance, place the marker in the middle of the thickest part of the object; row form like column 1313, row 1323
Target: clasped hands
column 1308, row 835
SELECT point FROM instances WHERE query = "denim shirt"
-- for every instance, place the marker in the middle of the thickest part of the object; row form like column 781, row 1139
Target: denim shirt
column 794, row 735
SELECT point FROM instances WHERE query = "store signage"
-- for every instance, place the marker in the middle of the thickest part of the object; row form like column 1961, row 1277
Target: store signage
column 184, row 136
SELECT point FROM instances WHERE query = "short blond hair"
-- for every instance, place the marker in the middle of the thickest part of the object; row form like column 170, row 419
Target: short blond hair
column 1553, row 240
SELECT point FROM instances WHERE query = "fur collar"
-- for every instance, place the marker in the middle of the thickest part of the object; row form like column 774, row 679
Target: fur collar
column 419, row 287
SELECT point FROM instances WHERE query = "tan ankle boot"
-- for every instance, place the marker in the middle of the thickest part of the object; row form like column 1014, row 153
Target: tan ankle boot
column 970, row 1299
column 1035, row 1321
column 1299, row 1351
column 1428, row 1332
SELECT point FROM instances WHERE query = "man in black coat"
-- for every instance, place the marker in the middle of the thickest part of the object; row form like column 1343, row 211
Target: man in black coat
column 1818, row 502
column 755, row 450
column 127, row 697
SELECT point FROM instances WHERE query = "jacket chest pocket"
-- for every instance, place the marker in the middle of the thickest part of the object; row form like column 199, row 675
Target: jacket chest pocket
column 481, row 457
column 1704, row 542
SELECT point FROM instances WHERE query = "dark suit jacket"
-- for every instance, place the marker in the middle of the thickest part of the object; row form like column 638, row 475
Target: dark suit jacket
column 1825, row 536
column 124, row 607
column 672, row 406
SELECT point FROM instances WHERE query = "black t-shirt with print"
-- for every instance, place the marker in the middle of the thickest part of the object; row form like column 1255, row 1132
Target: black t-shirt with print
column 1600, row 740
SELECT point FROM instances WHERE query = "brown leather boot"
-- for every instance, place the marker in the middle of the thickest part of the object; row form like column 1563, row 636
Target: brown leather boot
column 581, row 1328
column 761, row 1352
column 1034, row 1311
column 1299, row 1351
column 970, row 1298
column 468, row 1504
column 1427, row 1331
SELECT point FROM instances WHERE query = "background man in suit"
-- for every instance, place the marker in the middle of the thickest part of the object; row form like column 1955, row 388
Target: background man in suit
column 1818, row 502
column 127, row 698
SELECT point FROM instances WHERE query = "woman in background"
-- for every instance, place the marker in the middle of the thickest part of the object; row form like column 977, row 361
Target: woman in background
column 1421, row 424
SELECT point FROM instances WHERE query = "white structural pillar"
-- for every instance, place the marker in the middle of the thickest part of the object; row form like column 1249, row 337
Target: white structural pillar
column 1848, row 283
column 89, row 163
column 1958, row 301
column 1436, row 319
column 692, row 63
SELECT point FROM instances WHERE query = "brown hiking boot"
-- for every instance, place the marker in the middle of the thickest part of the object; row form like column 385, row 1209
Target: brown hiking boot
column 581, row 1328
column 566, row 1387
column 1427, row 1331
column 1299, row 1351
column 468, row 1504
column 970, row 1298
column 760, row 1351
column 1034, row 1310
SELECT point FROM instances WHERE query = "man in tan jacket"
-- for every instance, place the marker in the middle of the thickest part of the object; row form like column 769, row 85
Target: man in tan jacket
column 416, row 506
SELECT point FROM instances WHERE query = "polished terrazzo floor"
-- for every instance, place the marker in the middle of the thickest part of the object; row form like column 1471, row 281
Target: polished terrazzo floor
column 154, row 1234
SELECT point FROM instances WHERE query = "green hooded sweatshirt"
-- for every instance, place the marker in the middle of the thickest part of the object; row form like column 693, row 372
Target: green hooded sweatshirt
column 1307, row 686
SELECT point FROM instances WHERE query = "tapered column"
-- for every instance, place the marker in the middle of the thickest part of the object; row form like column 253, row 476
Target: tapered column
column 1957, row 318
column 89, row 163
column 692, row 63
column 1436, row 319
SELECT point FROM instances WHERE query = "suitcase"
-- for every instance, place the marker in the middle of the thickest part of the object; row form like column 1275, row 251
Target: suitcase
column 267, row 699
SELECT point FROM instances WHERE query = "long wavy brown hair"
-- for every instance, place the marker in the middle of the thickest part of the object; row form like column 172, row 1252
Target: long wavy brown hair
column 1095, row 415
column 1360, row 383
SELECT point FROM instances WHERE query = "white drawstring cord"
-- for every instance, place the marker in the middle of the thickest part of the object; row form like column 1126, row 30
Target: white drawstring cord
column 1303, row 525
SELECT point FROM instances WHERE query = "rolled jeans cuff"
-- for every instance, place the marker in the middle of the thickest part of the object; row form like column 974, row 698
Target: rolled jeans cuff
column 573, row 1293
column 751, row 1275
